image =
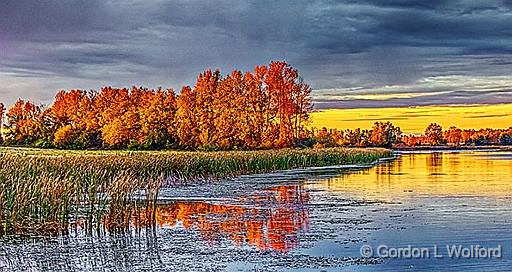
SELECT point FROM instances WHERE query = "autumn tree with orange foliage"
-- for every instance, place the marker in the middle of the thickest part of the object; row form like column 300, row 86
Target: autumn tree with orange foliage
column 289, row 100
column 267, row 108
column 385, row 134
column 382, row 134
column 256, row 108
column 207, row 102
column 232, row 115
column 136, row 118
column 75, row 120
column 187, row 130
column 115, row 113
column 459, row 137
column 156, row 115
column 27, row 124
column 453, row 136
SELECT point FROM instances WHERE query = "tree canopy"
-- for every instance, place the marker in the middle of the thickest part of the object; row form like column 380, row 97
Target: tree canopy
column 266, row 108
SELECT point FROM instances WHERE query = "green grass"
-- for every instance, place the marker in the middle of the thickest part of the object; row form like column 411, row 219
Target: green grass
column 42, row 189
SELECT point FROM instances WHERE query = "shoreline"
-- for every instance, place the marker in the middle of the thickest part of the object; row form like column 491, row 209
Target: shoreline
column 455, row 148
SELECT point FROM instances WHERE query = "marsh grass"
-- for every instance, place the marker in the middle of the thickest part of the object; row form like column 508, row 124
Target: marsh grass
column 41, row 190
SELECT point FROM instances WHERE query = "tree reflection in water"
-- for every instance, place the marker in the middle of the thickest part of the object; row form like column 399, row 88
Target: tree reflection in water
column 269, row 220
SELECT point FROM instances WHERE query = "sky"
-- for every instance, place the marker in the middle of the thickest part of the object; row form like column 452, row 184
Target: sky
column 414, row 120
column 353, row 53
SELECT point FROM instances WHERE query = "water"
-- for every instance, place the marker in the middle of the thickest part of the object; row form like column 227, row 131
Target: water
column 306, row 220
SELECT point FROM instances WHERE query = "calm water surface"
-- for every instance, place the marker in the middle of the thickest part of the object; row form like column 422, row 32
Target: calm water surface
column 305, row 220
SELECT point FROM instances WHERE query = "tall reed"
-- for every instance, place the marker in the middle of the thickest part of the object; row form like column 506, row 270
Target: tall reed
column 42, row 190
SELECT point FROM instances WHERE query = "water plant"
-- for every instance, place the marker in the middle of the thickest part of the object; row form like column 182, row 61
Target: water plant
column 40, row 190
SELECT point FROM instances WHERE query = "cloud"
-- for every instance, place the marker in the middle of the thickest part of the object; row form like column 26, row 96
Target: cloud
column 340, row 46
column 488, row 116
column 437, row 90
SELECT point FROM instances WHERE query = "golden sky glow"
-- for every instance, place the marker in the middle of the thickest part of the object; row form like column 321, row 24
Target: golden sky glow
column 416, row 119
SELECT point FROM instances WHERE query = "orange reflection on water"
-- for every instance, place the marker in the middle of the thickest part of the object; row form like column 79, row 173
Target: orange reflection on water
column 431, row 174
column 271, row 221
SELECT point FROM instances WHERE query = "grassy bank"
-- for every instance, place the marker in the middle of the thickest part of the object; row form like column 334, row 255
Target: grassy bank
column 43, row 189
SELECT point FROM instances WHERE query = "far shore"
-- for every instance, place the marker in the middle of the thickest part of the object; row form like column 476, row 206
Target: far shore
column 452, row 147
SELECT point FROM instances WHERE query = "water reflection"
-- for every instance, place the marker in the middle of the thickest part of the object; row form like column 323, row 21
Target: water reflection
column 316, row 221
column 435, row 162
column 65, row 253
column 269, row 220
column 430, row 174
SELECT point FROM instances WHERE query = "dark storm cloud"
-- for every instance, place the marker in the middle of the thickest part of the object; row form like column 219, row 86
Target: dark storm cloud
column 449, row 98
column 342, row 48
column 23, row 19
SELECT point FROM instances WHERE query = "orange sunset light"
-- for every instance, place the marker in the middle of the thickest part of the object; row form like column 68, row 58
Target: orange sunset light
column 416, row 119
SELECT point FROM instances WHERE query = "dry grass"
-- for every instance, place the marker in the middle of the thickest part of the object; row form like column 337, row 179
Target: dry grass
column 47, row 188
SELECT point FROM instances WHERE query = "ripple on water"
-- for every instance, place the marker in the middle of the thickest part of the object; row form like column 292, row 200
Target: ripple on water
column 304, row 220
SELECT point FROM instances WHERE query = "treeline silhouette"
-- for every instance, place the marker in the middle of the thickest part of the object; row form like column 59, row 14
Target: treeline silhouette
column 435, row 135
column 266, row 108
column 385, row 134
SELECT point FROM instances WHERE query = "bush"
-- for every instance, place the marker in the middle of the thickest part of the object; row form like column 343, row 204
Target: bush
column 43, row 143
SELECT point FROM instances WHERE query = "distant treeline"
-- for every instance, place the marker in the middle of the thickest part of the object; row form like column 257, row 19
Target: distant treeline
column 435, row 135
column 386, row 134
column 266, row 108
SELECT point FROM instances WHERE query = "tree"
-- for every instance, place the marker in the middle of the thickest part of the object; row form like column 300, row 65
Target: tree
column 115, row 135
column 156, row 115
column 467, row 135
column 256, row 107
column 289, row 100
column 434, row 134
column 453, row 136
column 266, row 108
column 205, row 90
column 506, row 138
column 280, row 81
column 117, row 118
column 66, row 108
column 414, row 140
column 384, row 134
column 187, row 130
column 324, row 139
column 65, row 137
column 354, row 137
column 302, row 102
column 75, row 111
column 27, row 124
column 230, row 105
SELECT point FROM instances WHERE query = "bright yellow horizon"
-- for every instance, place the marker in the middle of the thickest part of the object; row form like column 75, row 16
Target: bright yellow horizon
column 414, row 120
